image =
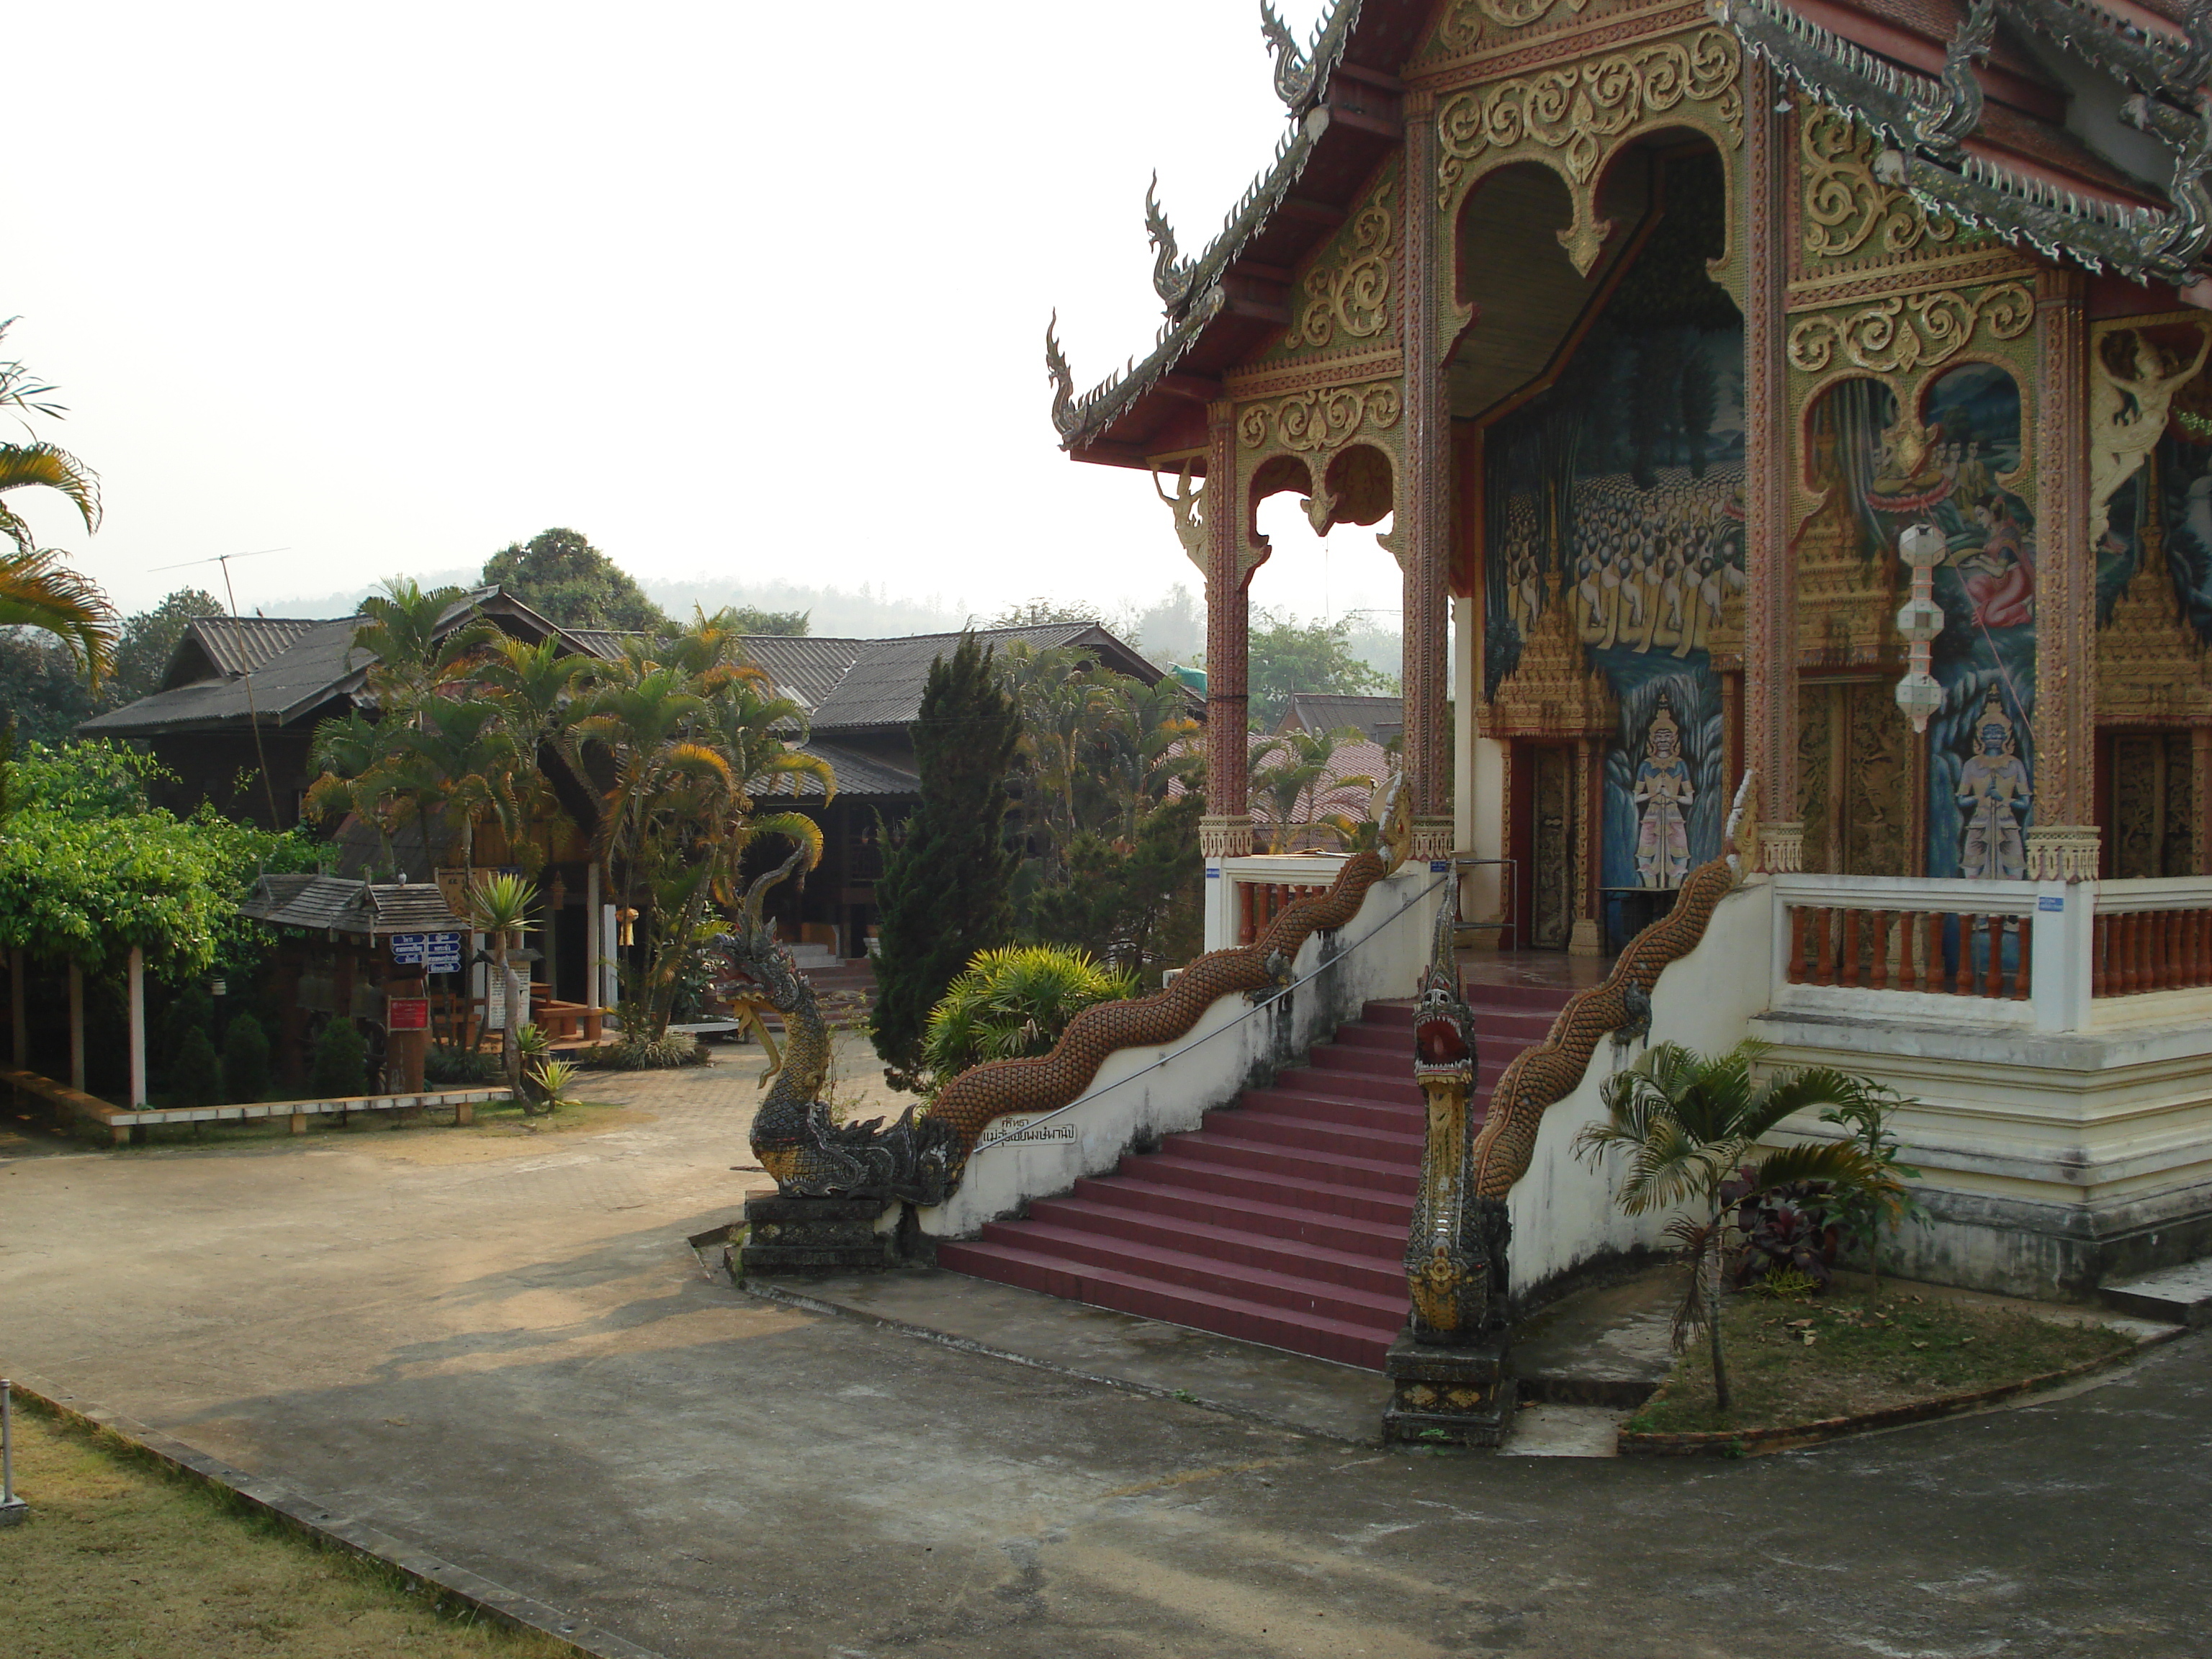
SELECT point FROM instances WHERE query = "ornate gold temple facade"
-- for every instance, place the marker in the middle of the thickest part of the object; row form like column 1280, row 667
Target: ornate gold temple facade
column 1653, row 328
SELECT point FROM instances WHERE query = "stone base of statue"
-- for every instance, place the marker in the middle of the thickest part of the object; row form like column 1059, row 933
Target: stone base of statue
column 1448, row 1397
column 813, row 1238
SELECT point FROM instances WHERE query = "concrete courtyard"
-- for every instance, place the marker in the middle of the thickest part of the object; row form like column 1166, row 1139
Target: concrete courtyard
column 497, row 1346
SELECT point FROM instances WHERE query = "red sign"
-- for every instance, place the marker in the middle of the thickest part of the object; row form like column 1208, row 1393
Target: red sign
column 407, row 1013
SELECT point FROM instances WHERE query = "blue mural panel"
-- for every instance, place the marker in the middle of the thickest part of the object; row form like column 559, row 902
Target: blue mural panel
column 1619, row 492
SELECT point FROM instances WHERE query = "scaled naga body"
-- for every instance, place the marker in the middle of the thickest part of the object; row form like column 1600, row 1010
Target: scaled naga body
column 793, row 1137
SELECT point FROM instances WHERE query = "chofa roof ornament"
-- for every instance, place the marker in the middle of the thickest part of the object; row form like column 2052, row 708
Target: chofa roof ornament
column 1173, row 276
column 1924, row 124
column 1294, row 70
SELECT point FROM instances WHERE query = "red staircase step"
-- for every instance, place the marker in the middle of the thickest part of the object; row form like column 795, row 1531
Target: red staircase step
column 1360, row 1345
column 1282, row 1221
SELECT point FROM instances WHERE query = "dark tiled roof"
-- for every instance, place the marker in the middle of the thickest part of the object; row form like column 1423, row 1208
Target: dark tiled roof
column 862, row 777
column 321, row 664
column 351, row 907
column 603, row 642
column 803, row 669
column 885, row 686
column 237, row 644
column 1380, row 718
column 284, row 680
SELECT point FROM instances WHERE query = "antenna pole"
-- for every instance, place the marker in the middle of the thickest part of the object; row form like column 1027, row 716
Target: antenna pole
column 252, row 715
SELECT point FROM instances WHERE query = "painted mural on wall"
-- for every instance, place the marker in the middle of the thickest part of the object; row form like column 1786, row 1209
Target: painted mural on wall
column 1617, row 491
column 1958, row 470
column 2151, row 431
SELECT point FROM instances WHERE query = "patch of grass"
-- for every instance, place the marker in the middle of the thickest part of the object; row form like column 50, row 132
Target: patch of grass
column 1801, row 1359
column 122, row 1556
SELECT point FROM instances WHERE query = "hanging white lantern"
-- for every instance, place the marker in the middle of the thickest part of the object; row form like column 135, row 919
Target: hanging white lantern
column 1919, row 620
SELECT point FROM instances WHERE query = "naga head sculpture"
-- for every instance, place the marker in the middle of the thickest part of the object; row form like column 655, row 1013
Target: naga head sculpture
column 1443, row 1026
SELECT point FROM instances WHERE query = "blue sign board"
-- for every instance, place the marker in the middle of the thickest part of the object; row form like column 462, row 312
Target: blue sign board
column 434, row 953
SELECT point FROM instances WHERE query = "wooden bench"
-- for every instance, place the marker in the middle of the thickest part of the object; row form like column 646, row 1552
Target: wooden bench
column 73, row 1106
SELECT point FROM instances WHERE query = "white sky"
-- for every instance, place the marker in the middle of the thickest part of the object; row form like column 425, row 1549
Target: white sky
column 742, row 290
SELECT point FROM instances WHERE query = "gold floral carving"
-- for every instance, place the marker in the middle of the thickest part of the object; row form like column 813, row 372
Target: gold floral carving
column 1461, row 28
column 1553, row 692
column 1310, row 422
column 1846, row 207
column 1908, row 331
column 1574, row 110
column 2149, row 668
column 1352, row 296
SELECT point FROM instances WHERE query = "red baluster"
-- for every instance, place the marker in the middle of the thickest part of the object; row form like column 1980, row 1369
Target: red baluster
column 2100, row 946
column 2027, row 951
column 1824, row 961
column 1931, row 951
column 1798, row 967
column 1993, row 977
column 2128, row 924
column 1879, row 979
column 1850, row 964
column 1962, row 982
column 2173, row 975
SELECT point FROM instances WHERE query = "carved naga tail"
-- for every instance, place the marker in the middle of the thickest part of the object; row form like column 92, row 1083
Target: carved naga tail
column 997, row 1087
column 794, row 1138
column 1539, row 1077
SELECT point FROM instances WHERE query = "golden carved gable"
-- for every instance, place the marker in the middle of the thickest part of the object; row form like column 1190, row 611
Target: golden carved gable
column 1553, row 692
column 1345, row 300
column 2150, row 670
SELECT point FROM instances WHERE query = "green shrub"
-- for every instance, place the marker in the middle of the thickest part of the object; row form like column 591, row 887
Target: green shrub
column 457, row 1068
column 341, row 1062
column 1013, row 1001
column 245, row 1061
column 196, row 1075
column 192, row 1011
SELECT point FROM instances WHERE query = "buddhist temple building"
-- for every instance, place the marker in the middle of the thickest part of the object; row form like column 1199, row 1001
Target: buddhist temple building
column 1807, row 394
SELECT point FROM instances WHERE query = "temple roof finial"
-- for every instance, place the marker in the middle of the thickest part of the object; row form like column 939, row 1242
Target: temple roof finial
column 1294, row 70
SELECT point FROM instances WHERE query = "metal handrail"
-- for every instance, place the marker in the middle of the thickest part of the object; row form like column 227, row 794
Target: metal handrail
column 1087, row 1097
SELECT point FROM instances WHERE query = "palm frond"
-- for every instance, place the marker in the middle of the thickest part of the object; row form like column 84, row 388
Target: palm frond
column 49, row 466
column 37, row 591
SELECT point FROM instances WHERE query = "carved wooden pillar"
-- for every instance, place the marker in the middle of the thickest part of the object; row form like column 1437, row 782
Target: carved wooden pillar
column 2200, row 802
column 1769, row 607
column 1422, row 534
column 2062, row 844
column 1226, row 831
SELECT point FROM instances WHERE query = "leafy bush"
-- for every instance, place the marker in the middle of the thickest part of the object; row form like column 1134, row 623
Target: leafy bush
column 341, row 1062
column 196, row 1075
column 458, row 1068
column 1786, row 1230
column 1014, row 1001
column 245, row 1061
column 646, row 1054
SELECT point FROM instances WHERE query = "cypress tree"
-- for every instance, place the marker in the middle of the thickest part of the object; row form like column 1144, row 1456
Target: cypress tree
column 945, row 892
column 341, row 1062
column 245, row 1061
column 196, row 1075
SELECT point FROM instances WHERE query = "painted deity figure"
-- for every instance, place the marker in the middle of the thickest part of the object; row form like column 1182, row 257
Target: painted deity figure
column 1993, row 792
column 1999, row 575
column 1663, row 793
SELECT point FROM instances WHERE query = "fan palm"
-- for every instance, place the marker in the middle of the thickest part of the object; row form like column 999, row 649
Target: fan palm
column 1689, row 1124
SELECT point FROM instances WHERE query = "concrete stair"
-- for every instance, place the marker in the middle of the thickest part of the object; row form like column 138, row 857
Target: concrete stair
column 1282, row 1219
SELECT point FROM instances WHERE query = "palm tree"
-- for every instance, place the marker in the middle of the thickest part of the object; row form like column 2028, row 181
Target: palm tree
column 357, row 777
column 1292, row 781
column 415, row 655
column 1689, row 1124
column 37, row 591
column 501, row 908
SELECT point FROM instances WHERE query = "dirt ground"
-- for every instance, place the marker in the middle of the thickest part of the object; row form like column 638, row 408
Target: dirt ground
column 499, row 1347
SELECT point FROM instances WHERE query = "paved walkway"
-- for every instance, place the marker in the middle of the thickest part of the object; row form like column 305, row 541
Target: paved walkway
column 497, row 1345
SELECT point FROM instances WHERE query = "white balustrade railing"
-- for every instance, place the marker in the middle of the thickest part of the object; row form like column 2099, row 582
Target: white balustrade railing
column 1245, row 894
column 2037, row 954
